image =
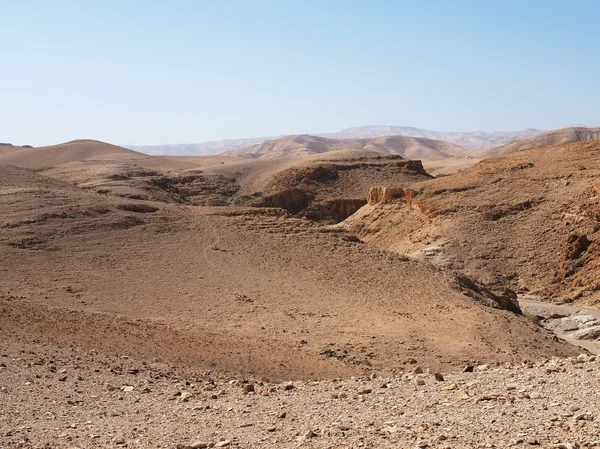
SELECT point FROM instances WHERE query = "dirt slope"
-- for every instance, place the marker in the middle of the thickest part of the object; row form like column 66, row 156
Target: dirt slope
column 303, row 145
column 234, row 289
column 326, row 188
column 556, row 137
column 75, row 151
column 332, row 185
column 529, row 220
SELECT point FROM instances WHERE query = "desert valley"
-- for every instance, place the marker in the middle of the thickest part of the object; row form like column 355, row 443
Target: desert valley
column 305, row 291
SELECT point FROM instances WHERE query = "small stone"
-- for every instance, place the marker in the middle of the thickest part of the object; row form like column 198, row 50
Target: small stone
column 289, row 387
column 185, row 396
column 62, row 379
column 248, row 388
column 199, row 445
column 282, row 415
column 109, row 387
column 365, row 391
column 420, row 381
column 449, row 387
column 223, row 443
column 483, row 367
column 309, row 435
column 418, row 370
column 271, row 429
column 265, row 380
column 438, row 376
column 127, row 388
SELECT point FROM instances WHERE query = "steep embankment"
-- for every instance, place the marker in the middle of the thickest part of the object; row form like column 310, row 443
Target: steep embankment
column 529, row 220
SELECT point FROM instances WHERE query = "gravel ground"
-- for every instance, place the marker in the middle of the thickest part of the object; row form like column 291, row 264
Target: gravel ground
column 63, row 397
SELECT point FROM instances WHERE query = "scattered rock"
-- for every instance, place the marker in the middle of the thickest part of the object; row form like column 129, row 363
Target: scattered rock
column 199, row 445
column 185, row 396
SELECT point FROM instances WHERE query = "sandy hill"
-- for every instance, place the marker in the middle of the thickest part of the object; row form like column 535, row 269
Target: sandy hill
column 473, row 140
column 75, row 151
column 529, row 219
column 331, row 186
column 248, row 290
column 573, row 134
column 328, row 186
column 9, row 148
column 304, row 145
column 18, row 177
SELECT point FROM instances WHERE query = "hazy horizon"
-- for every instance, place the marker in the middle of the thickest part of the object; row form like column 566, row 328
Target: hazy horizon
column 190, row 72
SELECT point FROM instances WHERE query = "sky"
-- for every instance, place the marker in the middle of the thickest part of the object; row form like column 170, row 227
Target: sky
column 155, row 72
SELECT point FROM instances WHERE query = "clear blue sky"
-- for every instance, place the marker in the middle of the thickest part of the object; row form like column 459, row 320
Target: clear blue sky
column 144, row 72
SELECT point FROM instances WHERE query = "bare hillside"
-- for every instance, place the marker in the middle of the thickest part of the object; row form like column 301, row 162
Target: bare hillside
column 304, row 145
column 75, row 151
column 529, row 220
column 556, row 137
column 236, row 289
column 472, row 140
column 328, row 186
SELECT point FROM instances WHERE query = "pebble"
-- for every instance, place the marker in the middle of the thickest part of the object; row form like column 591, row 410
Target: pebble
column 185, row 396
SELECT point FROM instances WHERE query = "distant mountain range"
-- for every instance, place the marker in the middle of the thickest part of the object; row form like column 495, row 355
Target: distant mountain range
column 475, row 140
column 305, row 145
column 556, row 137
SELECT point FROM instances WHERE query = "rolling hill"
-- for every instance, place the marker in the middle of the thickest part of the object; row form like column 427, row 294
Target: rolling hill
column 472, row 140
column 304, row 145
column 529, row 220
column 564, row 135
column 74, row 151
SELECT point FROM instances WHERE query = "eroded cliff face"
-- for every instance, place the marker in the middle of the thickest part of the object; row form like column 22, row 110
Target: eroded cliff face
column 331, row 191
column 529, row 221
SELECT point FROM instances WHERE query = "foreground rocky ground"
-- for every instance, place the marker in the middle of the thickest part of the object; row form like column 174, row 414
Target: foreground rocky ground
column 63, row 397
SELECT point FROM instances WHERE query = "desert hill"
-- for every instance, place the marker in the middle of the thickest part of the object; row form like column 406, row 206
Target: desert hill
column 331, row 186
column 328, row 186
column 74, row 151
column 241, row 289
column 528, row 219
column 304, row 145
column 556, row 137
column 472, row 140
